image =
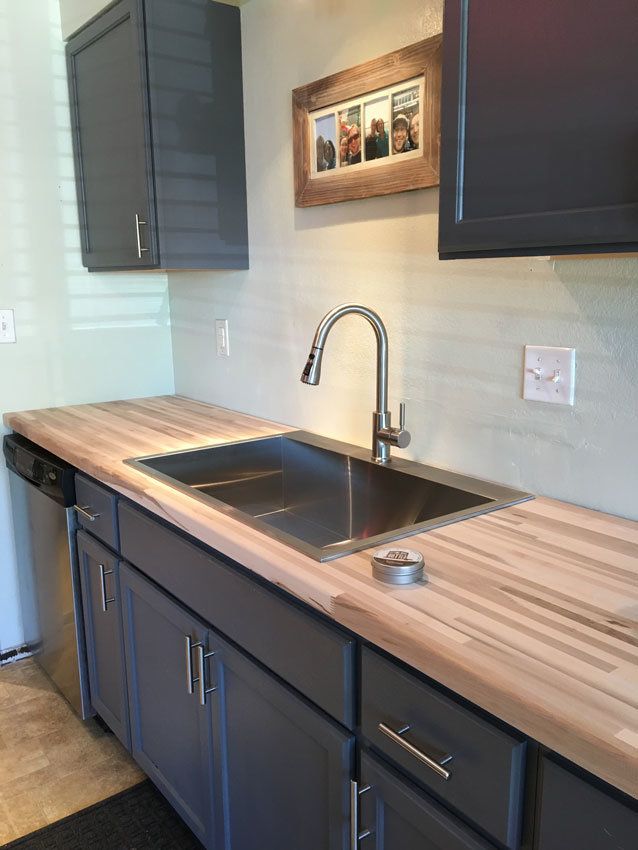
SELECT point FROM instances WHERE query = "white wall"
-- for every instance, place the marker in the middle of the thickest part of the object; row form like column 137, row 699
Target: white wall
column 456, row 329
column 81, row 337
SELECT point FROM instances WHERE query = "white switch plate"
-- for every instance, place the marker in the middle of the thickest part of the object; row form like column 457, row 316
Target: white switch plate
column 549, row 374
column 221, row 334
column 7, row 326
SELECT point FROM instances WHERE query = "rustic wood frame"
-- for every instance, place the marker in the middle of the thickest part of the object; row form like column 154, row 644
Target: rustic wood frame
column 420, row 59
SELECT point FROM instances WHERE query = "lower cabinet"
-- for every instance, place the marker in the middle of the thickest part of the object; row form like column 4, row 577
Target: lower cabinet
column 393, row 815
column 170, row 729
column 99, row 580
column 282, row 768
column 575, row 813
column 244, row 760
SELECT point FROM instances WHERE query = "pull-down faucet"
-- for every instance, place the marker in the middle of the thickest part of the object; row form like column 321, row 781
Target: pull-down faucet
column 383, row 435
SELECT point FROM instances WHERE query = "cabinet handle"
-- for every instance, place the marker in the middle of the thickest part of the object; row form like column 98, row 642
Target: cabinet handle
column 201, row 657
column 86, row 513
column 355, row 835
column 428, row 761
column 140, row 250
column 190, row 680
column 103, row 574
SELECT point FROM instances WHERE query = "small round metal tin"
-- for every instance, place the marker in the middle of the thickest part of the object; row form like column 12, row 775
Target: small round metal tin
column 397, row 566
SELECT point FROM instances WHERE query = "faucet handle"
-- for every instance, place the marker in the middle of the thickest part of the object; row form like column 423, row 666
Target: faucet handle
column 402, row 416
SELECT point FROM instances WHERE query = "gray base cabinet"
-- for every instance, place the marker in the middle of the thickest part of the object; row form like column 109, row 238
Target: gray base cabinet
column 394, row 816
column 282, row 768
column 242, row 711
column 574, row 813
column 170, row 730
column 99, row 580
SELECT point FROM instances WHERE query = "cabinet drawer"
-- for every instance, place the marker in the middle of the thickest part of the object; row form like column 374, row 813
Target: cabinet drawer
column 410, row 722
column 315, row 658
column 576, row 814
column 97, row 510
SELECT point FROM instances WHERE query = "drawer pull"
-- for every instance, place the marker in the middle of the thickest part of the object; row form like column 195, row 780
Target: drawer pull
column 86, row 513
column 428, row 761
column 105, row 599
column 355, row 835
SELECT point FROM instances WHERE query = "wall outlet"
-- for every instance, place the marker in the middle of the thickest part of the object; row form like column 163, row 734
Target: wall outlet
column 7, row 326
column 549, row 374
column 221, row 335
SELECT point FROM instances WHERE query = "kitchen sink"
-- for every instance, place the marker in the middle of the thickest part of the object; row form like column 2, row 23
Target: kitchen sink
column 323, row 497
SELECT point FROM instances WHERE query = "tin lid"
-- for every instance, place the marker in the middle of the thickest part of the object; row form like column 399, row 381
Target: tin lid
column 397, row 562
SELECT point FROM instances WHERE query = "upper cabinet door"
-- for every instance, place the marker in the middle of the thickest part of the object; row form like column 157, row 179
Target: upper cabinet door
column 539, row 128
column 157, row 114
column 109, row 119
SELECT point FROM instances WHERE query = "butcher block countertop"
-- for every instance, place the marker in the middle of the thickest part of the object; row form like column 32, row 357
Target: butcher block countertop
column 530, row 612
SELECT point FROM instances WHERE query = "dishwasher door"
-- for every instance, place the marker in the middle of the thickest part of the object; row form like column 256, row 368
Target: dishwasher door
column 50, row 594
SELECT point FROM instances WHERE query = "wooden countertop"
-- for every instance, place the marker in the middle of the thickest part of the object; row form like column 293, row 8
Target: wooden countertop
column 530, row 612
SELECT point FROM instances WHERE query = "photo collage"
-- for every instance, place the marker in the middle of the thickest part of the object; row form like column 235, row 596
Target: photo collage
column 380, row 127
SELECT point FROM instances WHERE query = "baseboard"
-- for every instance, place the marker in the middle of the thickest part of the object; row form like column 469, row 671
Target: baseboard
column 8, row 656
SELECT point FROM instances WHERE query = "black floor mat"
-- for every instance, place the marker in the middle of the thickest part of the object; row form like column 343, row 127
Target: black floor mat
column 137, row 819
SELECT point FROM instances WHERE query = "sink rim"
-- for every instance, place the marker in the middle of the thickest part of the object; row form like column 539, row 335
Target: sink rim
column 500, row 496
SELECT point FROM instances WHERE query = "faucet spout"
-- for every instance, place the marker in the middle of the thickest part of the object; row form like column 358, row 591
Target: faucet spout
column 383, row 435
column 312, row 371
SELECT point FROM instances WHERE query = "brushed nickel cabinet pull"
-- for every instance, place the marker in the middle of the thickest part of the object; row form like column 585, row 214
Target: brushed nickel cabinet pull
column 103, row 574
column 85, row 512
column 203, row 690
column 355, row 835
column 190, row 680
column 428, row 761
column 140, row 250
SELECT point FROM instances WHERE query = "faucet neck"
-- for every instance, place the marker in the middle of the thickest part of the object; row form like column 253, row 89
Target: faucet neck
column 331, row 318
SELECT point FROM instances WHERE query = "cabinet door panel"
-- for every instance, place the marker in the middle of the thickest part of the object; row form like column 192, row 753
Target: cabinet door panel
column 400, row 818
column 539, row 127
column 103, row 634
column 170, row 730
column 574, row 813
column 283, row 768
column 110, row 126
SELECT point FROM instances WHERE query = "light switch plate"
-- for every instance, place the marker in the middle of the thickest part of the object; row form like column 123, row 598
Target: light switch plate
column 7, row 326
column 221, row 335
column 549, row 374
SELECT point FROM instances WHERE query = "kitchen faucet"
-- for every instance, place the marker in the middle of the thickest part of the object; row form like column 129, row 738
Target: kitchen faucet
column 383, row 434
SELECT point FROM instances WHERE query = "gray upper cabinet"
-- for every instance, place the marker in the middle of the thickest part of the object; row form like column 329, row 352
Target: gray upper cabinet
column 156, row 94
column 539, row 128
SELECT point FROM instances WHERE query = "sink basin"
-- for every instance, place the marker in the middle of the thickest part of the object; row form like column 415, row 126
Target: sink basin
column 323, row 497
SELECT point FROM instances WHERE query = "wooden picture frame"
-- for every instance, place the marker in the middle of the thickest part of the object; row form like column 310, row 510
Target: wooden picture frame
column 420, row 61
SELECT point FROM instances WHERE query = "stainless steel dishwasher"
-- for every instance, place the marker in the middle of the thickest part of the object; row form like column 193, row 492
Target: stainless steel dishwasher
column 42, row 496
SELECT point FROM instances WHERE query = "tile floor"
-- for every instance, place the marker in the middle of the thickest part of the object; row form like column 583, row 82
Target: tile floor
column 51, row 763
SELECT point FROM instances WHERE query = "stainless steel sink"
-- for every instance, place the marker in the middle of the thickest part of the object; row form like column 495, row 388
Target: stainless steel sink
column 324, row 497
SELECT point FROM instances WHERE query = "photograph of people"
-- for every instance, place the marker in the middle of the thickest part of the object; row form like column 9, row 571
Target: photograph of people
column 376, row 116
column 325, row 142
column 405, row 120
